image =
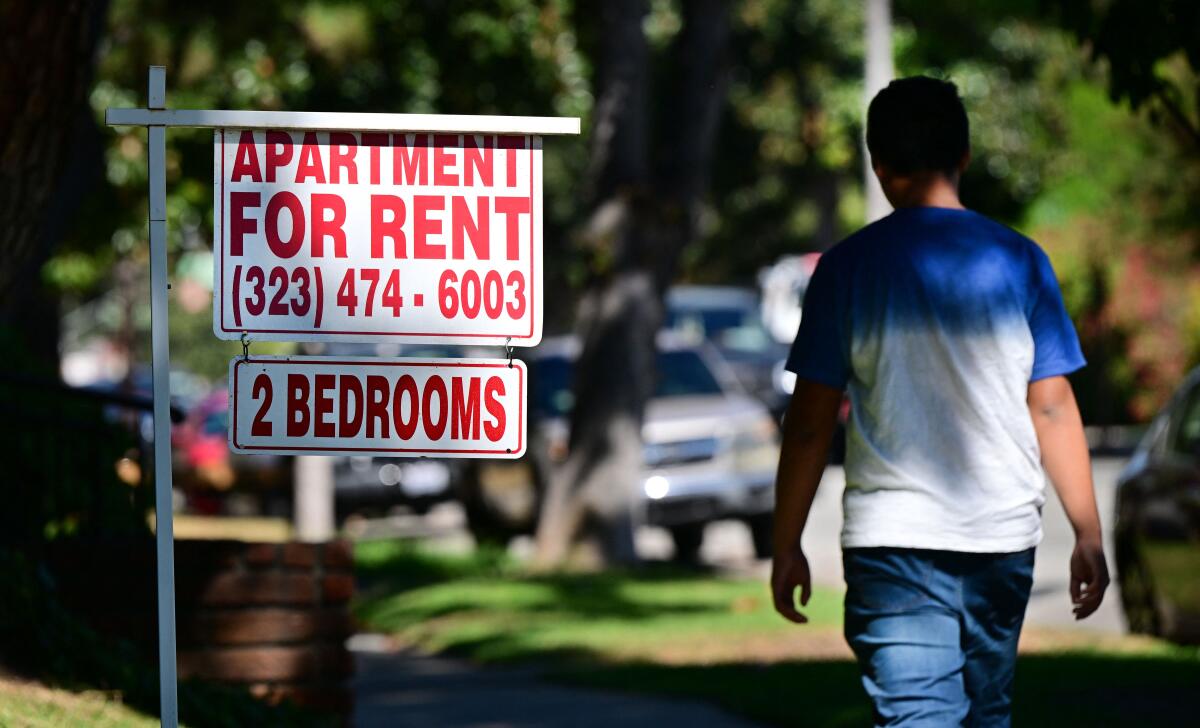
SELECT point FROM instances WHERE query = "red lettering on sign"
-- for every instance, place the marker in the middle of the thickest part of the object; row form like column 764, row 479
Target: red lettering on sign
column 492, row 391
column 310, row 160
column 377, row 398
column 405, row 429
column 381, row 229
column 443, row 158
column 262, row 385
column 463, row 225
column 349, row 388
column 423, row 227
column 409, row 161
column 434, row 430
column 279, row 152
column 477, row 160
column 245, row 162
column 328, row 228
column 281, row 248
column 297, row 405
column 512, row 208
column 374, row 142
column 511, row 144
column 323, row 405
column 342, row 149
column 239, row 224
column 465, row 421
column 446, row 409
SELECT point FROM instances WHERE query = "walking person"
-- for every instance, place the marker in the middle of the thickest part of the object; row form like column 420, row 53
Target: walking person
column 948, row 333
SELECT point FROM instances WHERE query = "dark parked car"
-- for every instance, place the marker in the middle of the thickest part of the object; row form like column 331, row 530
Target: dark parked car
column 1158, row 523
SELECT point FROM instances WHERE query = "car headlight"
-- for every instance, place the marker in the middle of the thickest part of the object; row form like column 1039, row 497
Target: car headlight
column 656, row 487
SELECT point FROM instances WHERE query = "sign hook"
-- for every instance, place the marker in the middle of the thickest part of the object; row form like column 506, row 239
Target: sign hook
column 245, row 347
column 508, row 348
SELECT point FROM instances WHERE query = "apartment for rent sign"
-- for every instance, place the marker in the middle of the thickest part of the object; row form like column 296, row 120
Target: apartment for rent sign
column 362, row 236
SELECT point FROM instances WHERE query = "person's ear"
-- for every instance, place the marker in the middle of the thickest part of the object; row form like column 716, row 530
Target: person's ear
column 964, row 162
column 881, row 172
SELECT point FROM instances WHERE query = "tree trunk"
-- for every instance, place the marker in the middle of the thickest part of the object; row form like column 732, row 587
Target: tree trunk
column 45, row 74
column 643, row 216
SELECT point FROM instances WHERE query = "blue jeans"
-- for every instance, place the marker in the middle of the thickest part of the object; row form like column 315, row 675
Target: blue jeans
column 935, row 632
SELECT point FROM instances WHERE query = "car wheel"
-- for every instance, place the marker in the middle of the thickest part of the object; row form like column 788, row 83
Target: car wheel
column 688, row 538
column 1137, row 593
column 762, row 530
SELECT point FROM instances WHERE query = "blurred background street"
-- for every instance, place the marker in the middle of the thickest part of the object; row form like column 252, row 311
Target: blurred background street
column 616, row 573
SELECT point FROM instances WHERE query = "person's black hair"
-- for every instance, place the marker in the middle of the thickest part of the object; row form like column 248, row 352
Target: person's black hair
column 918, row 124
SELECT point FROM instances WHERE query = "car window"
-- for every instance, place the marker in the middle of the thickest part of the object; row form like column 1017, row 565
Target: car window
column 739, row 329
column 684, row 373
column 1155, row 439
column 552, row 379
column 680, row 374
column 1186, row 439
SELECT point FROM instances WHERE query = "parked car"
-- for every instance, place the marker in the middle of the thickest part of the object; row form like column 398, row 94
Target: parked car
column 208, row 473
column 374, row 484
column 710, row 450
column 730, row 318
column 1158, row 523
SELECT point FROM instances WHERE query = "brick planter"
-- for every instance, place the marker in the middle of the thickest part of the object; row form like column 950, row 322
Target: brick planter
column 271, row 617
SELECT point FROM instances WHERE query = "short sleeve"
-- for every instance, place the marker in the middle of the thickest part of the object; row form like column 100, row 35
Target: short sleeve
column 819, row 352
column 1055, row 344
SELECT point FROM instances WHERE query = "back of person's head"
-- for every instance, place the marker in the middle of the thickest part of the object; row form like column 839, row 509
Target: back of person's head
column 918, row 124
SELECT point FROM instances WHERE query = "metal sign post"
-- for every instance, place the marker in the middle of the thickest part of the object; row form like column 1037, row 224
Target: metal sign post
column 156, row 118
column 161, row 362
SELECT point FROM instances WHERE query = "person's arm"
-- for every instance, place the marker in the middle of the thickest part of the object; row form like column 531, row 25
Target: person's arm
column 1065, row 458
column 808, row 429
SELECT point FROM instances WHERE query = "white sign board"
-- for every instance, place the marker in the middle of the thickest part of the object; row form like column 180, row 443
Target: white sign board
column 377, row 236
column 449, row 408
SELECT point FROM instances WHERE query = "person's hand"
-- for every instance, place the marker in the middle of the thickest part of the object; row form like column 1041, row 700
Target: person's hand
column 1089, row 576
column 788, row 571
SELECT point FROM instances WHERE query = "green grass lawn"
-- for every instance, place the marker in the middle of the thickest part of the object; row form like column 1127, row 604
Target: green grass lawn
column 686, row 633
column 29, row 705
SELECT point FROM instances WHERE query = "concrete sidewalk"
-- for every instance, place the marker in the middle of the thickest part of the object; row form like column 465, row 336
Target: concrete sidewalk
column 404, row 689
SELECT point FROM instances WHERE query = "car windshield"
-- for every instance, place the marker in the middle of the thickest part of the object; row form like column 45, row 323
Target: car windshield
column 680, row 374
column 735, row 327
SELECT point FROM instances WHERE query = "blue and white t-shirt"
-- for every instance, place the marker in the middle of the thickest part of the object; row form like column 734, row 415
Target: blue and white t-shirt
column 936, row 320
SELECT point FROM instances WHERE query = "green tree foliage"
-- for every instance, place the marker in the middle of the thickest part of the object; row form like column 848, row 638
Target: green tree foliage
column 1106, row 189
column 1152, row 51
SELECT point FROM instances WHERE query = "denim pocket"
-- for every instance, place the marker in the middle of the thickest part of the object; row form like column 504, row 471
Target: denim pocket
column 1006, row 591
column 886, row 580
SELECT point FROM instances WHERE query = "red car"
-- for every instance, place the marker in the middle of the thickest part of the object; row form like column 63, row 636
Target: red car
column 206, row 471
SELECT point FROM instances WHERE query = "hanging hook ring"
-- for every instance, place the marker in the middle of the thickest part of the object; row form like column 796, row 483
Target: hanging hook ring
column 245, row 347
column 508, row 349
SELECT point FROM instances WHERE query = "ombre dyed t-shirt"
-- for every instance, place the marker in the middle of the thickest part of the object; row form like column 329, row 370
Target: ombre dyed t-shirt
column 935, row 321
